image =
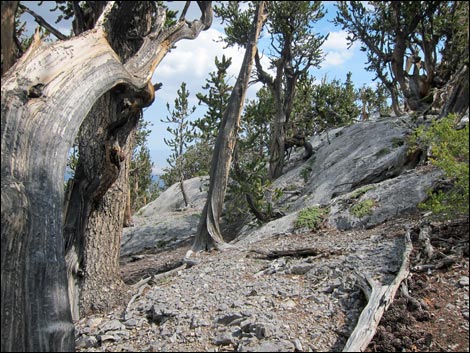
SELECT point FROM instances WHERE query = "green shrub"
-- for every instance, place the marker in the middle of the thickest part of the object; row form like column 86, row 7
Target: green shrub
column 449, row 152
column 363, row 208
column 311, row 217
column 397, row 142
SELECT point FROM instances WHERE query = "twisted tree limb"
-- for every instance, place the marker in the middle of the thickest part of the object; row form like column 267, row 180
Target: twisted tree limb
column 45, row 97
column 379, row 299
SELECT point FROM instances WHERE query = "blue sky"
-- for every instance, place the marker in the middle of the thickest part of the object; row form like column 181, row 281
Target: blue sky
column 193, row 60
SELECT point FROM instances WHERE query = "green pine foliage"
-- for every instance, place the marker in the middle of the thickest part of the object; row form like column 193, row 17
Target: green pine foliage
column 216, row 96
column 181, row 132
column 249, row 173
column 196, row 138
column 335, row 103
column 449, row 152
column 403, row 39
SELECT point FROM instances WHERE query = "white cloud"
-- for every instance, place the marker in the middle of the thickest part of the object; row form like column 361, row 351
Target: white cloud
column 191, row 58
column 156, row 170
column 192, row 61
column 336, row 49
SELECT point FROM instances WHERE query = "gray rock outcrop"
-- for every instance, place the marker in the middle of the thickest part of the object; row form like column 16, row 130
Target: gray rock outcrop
column 353, row 156
column 166, row 221
column 382, row 201
column 371, row 155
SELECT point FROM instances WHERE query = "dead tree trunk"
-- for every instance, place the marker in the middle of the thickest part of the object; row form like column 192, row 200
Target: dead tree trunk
column 44, row 99
column 208, row 234
column 277, row 147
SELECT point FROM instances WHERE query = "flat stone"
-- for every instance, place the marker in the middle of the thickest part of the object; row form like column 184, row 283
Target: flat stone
column 463, row 281
column 86, row 341
column 113, row 325
column 224, row 339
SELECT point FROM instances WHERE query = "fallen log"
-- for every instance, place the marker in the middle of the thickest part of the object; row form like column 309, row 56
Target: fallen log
column 302, row 252
column 379, row 299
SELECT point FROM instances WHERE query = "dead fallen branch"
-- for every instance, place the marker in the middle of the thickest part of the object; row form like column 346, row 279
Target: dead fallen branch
column 148, row 271
column 303, row 252
column 379, row 299
column 443, row 263
column 159, row 276
column 143, row 285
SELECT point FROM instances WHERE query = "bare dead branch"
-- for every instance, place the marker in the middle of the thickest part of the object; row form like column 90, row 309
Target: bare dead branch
column 42, row 22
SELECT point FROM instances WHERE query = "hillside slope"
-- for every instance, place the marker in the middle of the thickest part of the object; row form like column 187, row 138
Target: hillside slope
column 287, row 288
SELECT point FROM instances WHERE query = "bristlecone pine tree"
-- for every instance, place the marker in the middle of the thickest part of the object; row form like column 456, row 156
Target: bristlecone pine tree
column 45, row 97
column 208, row 234
column 416, row 48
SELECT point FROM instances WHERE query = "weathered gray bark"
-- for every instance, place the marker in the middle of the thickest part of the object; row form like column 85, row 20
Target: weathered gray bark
column 44, row 99
column 208, row 234
column 458, row 98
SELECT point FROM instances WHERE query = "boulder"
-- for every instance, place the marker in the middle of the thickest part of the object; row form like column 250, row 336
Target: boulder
column 166, row 222
column 365, row 207
column 353, row 156
column 171, row 199
column 377, row 203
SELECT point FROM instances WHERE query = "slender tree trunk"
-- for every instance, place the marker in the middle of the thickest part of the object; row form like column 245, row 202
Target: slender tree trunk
column 183, row 192
column 395, row 103
column 284, row 103
column 277, row 148
column 44, row 100
column 284, row 98
column 208, row 234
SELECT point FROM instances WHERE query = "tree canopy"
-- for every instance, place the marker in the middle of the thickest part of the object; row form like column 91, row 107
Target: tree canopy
column 412, row 47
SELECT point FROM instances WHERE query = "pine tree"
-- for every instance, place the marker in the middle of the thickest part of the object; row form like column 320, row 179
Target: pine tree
column 181, row 135
column 216, row 99
column 413, row 47
column 295, row 48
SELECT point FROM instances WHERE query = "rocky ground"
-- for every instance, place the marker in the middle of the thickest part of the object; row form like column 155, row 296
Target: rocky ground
column 251, row 299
